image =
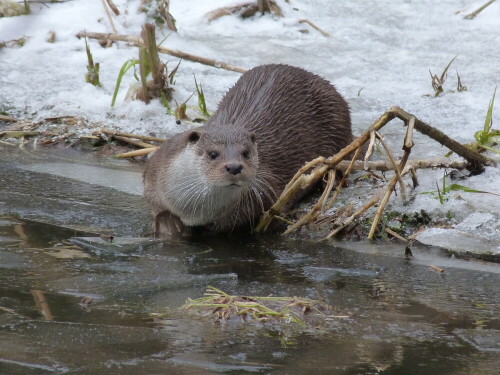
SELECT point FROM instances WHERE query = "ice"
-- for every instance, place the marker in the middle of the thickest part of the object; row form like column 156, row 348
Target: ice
column 379, row 55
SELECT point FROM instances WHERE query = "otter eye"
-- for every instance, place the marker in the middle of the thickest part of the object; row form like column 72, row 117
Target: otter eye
column 245, row 154
column 213, row 154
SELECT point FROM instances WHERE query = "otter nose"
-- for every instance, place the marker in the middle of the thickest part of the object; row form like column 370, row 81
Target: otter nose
column 234, row 168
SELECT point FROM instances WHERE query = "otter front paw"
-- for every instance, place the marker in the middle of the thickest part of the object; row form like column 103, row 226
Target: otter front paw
column 166, row 224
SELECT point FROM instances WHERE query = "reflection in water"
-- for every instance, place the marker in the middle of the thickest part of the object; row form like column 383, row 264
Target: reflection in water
column 70, row 301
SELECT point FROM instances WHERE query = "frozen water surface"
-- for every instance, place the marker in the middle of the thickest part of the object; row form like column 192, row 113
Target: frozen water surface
column 74, row 302
column 379, row 55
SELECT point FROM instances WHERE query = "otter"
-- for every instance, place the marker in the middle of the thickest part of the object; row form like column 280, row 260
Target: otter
column 224, row 174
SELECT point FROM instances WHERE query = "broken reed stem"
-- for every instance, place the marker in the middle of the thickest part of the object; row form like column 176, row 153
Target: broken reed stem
column 413, row 174
column 182, row 55
column 42, row 304
column 141, row 152
column 113, row 7
column 341, row 183
column 130, row 135
column 108, row 13
column 382, row 165
column 394, row 234
column 8, row 118
column 369, row 151
column 370, row 203
column 476, row 160
column 407, row 145
column 390, row 156
column 317, row 206
column 134, row 142
column 328, row 189
column 316, row 27
column 479, row 10
column 296, row 183
column 384, row 201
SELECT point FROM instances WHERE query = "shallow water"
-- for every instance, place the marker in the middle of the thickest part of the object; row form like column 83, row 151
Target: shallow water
column 391, row 315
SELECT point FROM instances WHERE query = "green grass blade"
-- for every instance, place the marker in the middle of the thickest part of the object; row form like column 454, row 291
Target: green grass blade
column 201, row 98
column 489, row 114
column 456, row 187
column 125, row 67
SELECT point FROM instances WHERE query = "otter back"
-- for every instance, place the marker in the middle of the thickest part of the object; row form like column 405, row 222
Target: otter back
column 295, row 115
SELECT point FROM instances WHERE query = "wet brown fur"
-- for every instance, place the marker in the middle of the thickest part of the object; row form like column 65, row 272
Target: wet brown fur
column 295, row 116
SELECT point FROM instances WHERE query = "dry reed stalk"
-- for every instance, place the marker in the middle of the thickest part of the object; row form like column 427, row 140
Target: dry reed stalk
column 392, row 161
column 408, row 144
column 397, row 235
column 133, row 154
column 368, row 204
column 317, row 207
column 110, row 18
column 180, row 54
column 341, row 184
column 113, row 7
column 42, row 304
column 479, row 10
column 369, row 150
column 8, row 118
column 164, row 11
column 316, row 27
column 129, row 135
column 382, row 165
column 436, row 268
column 300, row 179
column 134, row 142
column 475, row 159
column 321, row 165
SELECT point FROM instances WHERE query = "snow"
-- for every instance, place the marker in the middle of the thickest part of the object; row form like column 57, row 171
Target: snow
column 379, row 55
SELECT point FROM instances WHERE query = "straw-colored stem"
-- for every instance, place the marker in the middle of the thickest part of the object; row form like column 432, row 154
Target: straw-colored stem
column 390, row 156
column 141, row 152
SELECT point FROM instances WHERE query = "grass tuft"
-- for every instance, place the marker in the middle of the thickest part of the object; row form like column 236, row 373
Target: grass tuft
column 202, row 105
column 92, row 75
column 487, row 137
column 438, row 82
column 223, row 306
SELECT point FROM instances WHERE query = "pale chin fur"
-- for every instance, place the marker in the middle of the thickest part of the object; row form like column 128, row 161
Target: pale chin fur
column 190, row 196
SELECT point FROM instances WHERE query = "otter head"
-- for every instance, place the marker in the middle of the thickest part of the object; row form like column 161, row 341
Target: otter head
column 227, row 155
column 214, row 174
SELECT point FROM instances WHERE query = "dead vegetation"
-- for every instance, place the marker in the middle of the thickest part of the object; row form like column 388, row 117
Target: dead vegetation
column 222, row 307
column 321, row 168
column 246, row 10
column 180, row 54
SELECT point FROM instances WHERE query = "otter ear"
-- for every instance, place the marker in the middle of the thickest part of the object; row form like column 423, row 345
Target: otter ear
column 252, row 137
column 193, row 136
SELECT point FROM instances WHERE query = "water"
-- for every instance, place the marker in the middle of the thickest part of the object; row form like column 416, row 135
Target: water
column 71, row 302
